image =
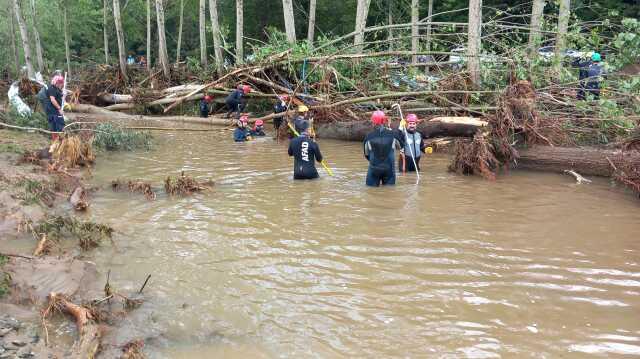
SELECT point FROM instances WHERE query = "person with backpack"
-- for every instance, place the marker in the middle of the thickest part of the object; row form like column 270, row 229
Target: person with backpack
column 53, row 106
column 305, row 153
column 236, row 101
column 379, row 150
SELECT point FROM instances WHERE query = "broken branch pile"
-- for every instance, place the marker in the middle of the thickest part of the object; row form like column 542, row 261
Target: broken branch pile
column 185, row 185
column 137, row 186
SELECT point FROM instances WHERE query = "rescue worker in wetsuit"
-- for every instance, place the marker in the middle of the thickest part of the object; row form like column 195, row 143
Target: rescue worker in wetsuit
column 589, row 74
column 236, row 101
column 379, row 150
column 280, row 107
column 305, row 152
column 53, row 106
column 303, row 116
column 204, row 106
column 258, row 129
column 413, row 145
column 241, row 132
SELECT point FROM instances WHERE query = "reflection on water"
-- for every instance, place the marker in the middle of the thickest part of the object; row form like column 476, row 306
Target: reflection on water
column 262, row 267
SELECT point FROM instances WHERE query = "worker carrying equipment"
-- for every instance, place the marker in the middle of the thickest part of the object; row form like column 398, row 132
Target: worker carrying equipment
column 305, row 153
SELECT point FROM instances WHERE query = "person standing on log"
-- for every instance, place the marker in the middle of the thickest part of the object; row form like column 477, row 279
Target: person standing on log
column 413, row 147
column 236, row 101
column 53, row 106
column 379, row 147
column 204, row 106
column 305, row 153
column 280, row 107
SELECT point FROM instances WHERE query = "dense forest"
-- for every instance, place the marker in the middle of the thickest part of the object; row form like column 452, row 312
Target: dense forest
column 91, row 22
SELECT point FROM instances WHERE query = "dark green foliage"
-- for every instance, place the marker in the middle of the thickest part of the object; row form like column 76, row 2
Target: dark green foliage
column 112, row 138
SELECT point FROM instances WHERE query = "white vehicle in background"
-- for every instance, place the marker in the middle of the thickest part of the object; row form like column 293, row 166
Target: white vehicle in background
column 548, row 52
column 458, row 57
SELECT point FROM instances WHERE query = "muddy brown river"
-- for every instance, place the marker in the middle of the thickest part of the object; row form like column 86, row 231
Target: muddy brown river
column 531, row 265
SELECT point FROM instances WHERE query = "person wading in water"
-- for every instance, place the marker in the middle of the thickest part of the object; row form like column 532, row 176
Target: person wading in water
column 305, row 153
column 236, row 101
column 413, row 147
column 379, row 148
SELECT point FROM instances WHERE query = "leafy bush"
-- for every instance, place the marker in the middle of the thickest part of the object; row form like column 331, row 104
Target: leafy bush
column 36, row 119
column 111, row 138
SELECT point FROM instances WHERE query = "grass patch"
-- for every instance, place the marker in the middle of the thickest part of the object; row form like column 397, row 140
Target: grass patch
column 89, row 234
column 112, row 138
column 11, row 148
column 36, row 192
column 5, row 279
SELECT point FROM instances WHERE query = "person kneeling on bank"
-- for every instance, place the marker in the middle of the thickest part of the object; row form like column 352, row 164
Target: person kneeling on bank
column 241, row 132
column 305, row 153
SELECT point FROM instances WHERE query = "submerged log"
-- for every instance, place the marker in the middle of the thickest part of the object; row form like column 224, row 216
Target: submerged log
column 586, row 161
column 89, row 335
column 436, row 127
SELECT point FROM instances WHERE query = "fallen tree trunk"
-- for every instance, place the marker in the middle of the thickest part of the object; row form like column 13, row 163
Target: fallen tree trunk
column 585, row 161
column 439, row 126
column 89, row 335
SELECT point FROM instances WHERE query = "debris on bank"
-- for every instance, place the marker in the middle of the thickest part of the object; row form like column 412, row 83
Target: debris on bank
column 185, row 185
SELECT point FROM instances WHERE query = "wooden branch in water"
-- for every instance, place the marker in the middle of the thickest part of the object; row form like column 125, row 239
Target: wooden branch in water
column 41, row 248
column 89, row 335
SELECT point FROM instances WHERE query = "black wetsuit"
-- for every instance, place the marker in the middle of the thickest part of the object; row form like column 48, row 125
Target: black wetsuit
column 204, row 108
column 235, row 102
column 305, row 153
column 279, row 107
column 55, row 119
column 379, row 151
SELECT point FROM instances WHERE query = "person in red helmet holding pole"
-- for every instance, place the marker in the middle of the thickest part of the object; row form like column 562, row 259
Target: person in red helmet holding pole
column 236, row 101
column 413, row 146
column 379, row 150
column 204, row 106
column 53, row 106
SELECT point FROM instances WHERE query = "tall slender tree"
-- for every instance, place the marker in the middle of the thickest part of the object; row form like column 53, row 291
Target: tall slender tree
column 239, row 31
column 537, row 10
column 415, row 29
column 180, row 31
column 36, row 35
column 390, row 22
column 474, row 43
column 120, row 36
column 203, row 33
column 217, row 37
column 429, row 21
column 312, row 22
column 563, row 25
column 289, row 21
column 24, row 35
column 362, row 12
column 105, row 32
column 14, row 46
column 163, row 56
column 67, row 36
column 149, row 35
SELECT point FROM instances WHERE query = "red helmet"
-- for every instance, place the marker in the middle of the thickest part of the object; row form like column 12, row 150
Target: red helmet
column 57, row 80
column 246, row 89
column 412, row 118
column 378, row 118
column 244, row 119
column 208, row 98
column 284, row 97
column 259, row 122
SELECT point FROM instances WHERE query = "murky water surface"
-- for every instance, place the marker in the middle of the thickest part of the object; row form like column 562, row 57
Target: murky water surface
column 531, row 265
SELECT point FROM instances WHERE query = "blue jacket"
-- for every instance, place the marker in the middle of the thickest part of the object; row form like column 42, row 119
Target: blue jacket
column 240, row 134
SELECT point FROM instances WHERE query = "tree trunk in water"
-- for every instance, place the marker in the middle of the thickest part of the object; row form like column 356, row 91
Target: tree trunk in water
column 442, row 126
column 239, row 32
column 163, row 56
column 14, row 47
column 536, row 19
column 180, row 30
column 289, row 21
column 474, row 44
column 67, row 37
column 36, row 35
column 149, row 35
column 24, row 35
column 312, row 22
column 120, row 37
column 104, row 31
column 203, row 33
column 585, row 161
column 415, row 30
column 217, row 37
column 362, row 12
column 563, row 25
